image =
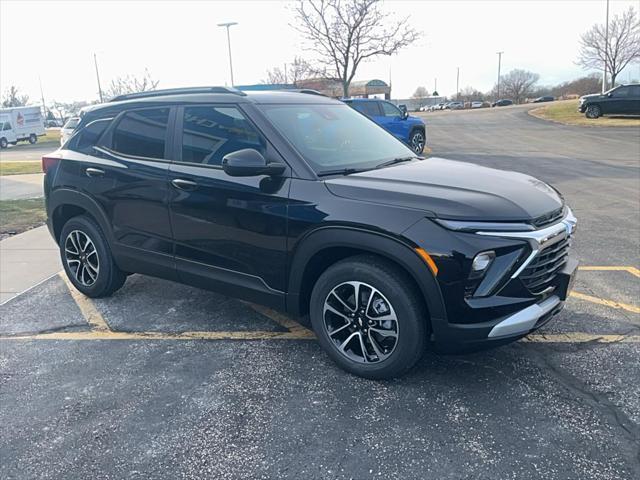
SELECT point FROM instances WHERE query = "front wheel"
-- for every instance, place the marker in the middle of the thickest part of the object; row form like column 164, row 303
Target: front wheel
column 87, row 260
column 593, row 111
column 369, row 317
column 417, row 141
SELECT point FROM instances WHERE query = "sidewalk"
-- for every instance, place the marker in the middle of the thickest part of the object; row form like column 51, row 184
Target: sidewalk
column 26, row 260
column 14, row 187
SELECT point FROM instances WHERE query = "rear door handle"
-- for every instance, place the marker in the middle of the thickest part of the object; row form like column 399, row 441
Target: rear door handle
column 94, row 172
column 183, row 184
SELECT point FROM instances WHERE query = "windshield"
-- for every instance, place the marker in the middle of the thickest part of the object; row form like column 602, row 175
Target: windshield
column 72, row 123
column 332, row 137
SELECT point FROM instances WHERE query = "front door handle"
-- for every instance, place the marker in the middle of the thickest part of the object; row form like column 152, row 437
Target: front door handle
column 94, row 172
column 183, row 184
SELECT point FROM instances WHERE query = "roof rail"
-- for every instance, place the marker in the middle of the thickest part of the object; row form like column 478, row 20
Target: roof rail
column 309, row 92
column 177, row 91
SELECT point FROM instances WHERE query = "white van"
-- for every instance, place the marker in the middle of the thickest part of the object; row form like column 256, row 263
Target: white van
column 20, row 123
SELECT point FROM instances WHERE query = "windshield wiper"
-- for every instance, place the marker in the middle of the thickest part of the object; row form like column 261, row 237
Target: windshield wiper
column 341, row 171
column 396, row 160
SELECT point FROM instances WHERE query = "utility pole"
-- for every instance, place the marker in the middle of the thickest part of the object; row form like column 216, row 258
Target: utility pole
column 606, row 51
column 44, row 107
column 227, row 25
column 499, row 64
column 286, row 80
column 95, row 61
column 435, row 84
column 458, row 84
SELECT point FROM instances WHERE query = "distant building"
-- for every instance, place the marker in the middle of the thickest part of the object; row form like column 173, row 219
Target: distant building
column 330, row 88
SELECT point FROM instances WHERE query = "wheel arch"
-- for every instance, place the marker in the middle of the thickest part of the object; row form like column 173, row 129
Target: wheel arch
column 64, row 204
column 325, row 246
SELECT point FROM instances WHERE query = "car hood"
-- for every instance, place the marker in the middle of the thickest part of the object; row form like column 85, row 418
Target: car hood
column 452, row 190
column 591, row 96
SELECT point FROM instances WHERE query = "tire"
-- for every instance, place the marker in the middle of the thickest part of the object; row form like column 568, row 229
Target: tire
column 33, row 138
column 417, row 141
column 3, row 143
column 388, row 293
column 89, row 265
column 593, row 111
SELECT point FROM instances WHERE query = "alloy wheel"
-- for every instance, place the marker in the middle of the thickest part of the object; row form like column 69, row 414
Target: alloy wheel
column 360, row 322
column 82, row 257
column 417, row 142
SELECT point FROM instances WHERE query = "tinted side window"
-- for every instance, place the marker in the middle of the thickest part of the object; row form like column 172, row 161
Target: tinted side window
column 141, row 133
column 370, row 109
column 7, row 126
column 635, row 90
column 89, row 135
column 621, row 92
column 390, row 110
column 209, row 133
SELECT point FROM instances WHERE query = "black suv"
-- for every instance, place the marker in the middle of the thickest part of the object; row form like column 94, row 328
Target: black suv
column 621, row 100
column 298, row 202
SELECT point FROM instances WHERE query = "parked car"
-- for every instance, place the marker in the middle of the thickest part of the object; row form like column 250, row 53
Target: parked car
column 68, row 129
column 546, row 98
column 437, row 106
column 54, row 124
column 298, row 202
column 503, row 102
column 407, row 128
column 454, row 106
column 477, row 104
column 20, row 123
column 623, row 99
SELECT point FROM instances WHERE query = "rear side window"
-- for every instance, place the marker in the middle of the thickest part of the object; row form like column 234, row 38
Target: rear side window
column 88, row 136
column 142, row 133
column 370, row 109
column 209, row 133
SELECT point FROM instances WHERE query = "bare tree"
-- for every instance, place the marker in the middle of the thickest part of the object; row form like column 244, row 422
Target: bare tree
column 420, row 92
column 13, row 98
column 67, row 109
column 518, row 84
column 293, row 72
column 345, row 33
column 131, row 84
column 470, row 94
column 622, row 48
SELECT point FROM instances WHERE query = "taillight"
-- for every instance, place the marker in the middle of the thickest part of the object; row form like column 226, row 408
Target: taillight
column 48, row 163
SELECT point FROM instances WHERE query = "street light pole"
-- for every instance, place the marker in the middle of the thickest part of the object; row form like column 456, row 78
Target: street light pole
column 95, row 61
column 227, row 25
column 458, row 84
column 499, row 64
column 606, row 51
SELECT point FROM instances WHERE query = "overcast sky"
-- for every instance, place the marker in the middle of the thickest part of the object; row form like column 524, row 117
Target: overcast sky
column 179, row 43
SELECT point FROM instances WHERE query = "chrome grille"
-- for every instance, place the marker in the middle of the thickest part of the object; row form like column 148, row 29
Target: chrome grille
column 541, row 272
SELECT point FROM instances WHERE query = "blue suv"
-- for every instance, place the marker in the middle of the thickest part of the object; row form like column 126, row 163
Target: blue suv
column 411, row 130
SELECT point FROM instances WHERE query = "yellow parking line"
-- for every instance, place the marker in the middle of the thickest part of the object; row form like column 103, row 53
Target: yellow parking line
column 283, row 320
column 605, row 302
column 86, row 306
column 618, row 268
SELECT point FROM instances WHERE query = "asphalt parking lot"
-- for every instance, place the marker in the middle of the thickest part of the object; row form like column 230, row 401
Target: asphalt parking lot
column 166, row 381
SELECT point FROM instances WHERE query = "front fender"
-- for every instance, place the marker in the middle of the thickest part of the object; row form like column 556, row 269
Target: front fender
column 386, row 246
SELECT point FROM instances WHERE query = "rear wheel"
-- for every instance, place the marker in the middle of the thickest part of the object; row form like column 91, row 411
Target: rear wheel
column 33, row 138
column 593, row 111
column 87, row 260
column 369, row 317
column 3, row 143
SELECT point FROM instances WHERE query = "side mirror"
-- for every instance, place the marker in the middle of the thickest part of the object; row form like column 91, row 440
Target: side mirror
column 609, row 94
column 250, row 163
column 403, row 110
